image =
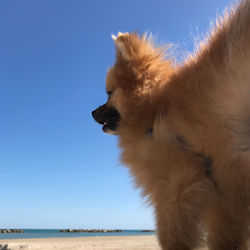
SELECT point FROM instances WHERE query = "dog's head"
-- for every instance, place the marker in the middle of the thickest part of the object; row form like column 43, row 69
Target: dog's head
column 131, row 83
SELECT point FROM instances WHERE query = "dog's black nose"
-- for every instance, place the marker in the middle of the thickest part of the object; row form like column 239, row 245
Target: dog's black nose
column 99, row 114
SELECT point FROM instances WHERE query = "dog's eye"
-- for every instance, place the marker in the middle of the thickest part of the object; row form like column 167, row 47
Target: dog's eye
column 109, row 93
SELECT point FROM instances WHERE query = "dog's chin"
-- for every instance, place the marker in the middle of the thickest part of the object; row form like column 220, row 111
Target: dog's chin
column 110, row 129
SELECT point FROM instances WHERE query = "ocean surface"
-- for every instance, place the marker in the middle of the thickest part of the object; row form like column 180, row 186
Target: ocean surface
column 54, row 233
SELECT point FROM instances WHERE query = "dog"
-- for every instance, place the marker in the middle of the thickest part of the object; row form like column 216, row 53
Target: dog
column 184, row 132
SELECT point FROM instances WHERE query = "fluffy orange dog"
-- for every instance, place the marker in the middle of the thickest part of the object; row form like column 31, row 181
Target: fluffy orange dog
column 185, row 132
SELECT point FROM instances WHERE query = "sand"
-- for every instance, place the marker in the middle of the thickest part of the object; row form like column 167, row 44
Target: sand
column 85, row 243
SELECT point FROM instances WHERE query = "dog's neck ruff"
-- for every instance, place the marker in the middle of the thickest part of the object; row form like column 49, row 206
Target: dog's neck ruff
column 184, row 145
column 207, row 160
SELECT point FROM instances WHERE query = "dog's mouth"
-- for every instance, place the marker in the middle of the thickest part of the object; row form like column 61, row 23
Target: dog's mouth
column 108, row 117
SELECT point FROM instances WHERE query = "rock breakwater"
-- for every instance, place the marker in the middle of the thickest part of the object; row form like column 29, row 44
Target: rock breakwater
column 11, row 231
column 90, row 231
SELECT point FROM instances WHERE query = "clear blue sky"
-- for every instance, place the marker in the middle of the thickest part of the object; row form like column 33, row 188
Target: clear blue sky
column 57, row 168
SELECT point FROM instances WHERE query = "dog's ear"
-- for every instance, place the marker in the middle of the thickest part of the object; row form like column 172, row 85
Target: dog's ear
column 121, row 44
column 131, row 46
column 141, row 62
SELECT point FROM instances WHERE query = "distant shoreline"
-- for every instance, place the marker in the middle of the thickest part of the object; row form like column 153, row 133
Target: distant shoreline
column 72, row 233
column 70, row 230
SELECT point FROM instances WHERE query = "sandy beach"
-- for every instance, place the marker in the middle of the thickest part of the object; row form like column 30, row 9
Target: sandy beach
column 85, row 243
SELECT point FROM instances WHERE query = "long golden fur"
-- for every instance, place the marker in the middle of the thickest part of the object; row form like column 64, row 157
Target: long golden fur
column 184, row 132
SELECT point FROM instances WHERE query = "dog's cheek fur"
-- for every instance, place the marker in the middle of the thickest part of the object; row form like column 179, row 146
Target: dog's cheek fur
column 128, row 98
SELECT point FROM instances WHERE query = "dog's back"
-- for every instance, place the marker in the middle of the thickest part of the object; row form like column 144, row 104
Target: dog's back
column 209, row 96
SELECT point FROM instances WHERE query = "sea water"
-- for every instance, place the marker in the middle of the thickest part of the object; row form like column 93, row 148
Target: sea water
column 55, row 233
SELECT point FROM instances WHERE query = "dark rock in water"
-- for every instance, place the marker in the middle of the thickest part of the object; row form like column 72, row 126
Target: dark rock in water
column 10, row 231
column 90, row 231
column 148, row 231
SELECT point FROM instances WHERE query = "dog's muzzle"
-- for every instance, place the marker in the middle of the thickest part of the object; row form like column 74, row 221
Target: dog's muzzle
column 108, row 117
